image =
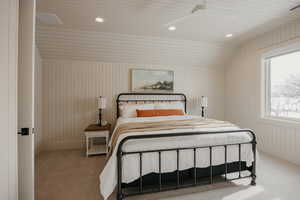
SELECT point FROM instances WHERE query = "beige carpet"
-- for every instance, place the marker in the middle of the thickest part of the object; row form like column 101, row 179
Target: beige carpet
column 69, row 175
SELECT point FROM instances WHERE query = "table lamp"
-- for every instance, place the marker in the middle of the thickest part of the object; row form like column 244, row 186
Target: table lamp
column 101, row 105
column 204, row 104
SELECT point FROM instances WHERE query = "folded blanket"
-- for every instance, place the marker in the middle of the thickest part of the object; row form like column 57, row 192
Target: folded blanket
column 166, row 125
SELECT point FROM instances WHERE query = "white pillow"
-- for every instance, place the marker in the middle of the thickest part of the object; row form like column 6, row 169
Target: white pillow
column 171, row 105
column 128, row 110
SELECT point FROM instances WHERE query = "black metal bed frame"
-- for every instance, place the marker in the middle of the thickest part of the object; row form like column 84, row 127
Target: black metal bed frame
column 120, row 100
column 120, row 153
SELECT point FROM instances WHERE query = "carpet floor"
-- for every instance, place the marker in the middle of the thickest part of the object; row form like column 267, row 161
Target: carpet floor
column 69, row 175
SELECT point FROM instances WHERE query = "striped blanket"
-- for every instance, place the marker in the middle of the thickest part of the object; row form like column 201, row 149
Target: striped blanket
column 165, row 125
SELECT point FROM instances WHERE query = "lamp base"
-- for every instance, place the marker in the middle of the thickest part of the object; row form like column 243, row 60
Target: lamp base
column 102, row 122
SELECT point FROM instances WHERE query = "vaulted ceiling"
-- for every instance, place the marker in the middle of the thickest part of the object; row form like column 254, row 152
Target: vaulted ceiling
column 242, row 18
column 140, row 25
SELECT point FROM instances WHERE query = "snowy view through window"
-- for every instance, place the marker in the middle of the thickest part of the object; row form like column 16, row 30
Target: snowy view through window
column 285, row 85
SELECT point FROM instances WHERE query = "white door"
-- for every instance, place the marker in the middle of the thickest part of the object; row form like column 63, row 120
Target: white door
column 8, row 99
column 26, row 99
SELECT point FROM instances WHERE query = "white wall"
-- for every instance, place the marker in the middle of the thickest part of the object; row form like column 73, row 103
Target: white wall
column 70, row 89
column 243, row 98
column 8, row 99
column 38, row 106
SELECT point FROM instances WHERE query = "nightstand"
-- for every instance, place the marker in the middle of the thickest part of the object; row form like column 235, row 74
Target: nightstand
column 94, row 132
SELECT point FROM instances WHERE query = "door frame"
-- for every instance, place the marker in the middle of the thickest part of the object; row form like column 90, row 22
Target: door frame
column 13, row 14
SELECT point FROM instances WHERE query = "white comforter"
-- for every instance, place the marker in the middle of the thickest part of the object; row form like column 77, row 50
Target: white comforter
column 130, row 171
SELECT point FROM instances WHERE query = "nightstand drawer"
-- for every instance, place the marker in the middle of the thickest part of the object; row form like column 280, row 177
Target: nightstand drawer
column 96, row 133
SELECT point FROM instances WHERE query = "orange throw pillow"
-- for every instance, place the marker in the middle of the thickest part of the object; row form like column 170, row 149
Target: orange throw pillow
column 159, row 112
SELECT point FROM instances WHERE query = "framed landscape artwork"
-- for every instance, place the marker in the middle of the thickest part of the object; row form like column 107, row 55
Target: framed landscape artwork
column 152, row 80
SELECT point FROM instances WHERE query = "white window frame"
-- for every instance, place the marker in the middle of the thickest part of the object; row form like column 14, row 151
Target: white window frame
column 265, row 82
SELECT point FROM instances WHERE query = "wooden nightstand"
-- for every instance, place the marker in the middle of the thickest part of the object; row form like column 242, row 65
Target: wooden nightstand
column 94, row 131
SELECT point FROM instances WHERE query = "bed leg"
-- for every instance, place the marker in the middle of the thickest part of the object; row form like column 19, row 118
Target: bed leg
column 120, row 197
column 253, row 173
column 253, row 181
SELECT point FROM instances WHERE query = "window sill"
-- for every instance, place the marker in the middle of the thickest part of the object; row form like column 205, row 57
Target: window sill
column 278, row 121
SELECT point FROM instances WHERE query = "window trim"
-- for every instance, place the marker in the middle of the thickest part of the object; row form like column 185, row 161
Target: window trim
column 267, row 91
column 265, row 81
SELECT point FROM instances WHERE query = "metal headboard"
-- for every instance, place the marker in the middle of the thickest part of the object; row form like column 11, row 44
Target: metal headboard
column 150, row 97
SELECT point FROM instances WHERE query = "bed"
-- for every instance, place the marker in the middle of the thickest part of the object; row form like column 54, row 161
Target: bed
column 176, row 152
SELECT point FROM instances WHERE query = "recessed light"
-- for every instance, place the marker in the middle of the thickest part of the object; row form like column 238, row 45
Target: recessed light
column 229, row 35
column 99, row 19
column 172, row 28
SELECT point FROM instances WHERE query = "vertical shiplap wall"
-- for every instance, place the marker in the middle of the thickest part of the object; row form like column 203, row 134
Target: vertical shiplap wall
column 70, row 89
column 243, row 97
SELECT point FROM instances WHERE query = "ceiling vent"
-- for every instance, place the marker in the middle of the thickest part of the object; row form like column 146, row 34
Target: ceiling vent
column 48, row 18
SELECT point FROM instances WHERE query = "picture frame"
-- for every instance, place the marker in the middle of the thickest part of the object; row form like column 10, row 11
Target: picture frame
column 144, row 80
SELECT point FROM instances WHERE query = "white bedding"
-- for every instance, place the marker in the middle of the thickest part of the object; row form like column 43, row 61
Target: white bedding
column 130, row 163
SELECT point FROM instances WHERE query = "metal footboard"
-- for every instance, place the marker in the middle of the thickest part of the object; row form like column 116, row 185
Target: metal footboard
column 121, row 195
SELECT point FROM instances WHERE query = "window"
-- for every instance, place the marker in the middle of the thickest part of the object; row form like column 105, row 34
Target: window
column 282, row 85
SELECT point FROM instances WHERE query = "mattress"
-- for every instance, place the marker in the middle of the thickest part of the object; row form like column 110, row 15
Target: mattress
column 130, row 163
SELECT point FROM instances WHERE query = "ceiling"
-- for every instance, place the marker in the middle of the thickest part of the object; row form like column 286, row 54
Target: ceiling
column 67, row 44
column 243, row 18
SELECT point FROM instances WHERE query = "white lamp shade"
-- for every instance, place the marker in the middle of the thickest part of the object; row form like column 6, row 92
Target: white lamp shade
column 101, row 102
column 204, row 101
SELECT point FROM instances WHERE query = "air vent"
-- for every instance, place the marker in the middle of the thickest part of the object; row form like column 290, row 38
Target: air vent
column 48, row 18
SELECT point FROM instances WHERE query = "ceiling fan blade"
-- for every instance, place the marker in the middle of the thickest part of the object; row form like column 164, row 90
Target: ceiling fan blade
column 295, row 7
column 178, row 20
column 197, row 8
